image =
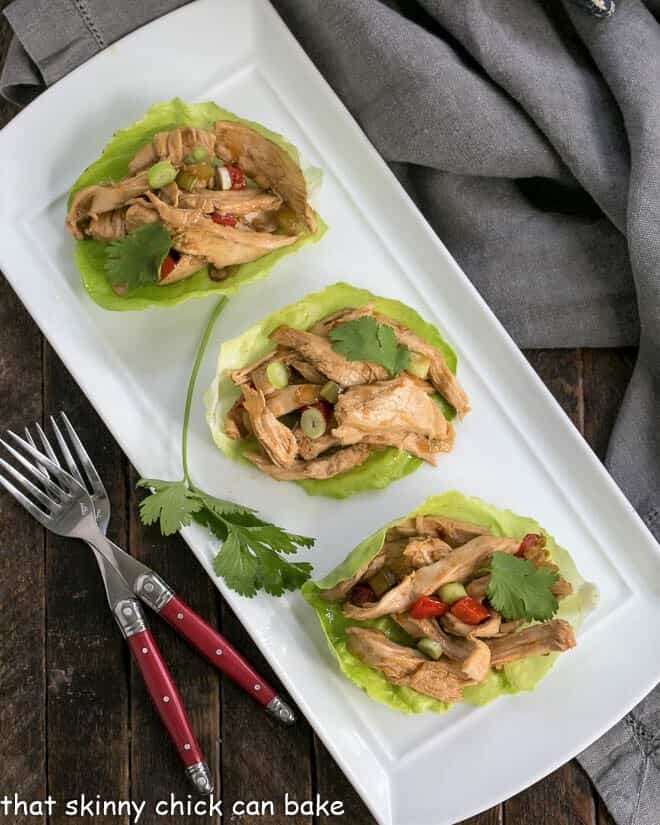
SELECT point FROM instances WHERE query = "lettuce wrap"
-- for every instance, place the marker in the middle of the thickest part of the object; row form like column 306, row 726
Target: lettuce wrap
column 511, row 678
column 383, row 466
column 112, row 165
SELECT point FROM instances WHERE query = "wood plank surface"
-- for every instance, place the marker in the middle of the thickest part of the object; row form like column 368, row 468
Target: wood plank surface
column 262, row 759
column 88, row 714
column 22, row 575
column 22, row 558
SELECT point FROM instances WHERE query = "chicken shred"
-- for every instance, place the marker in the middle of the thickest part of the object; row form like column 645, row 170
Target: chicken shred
column 443, row 680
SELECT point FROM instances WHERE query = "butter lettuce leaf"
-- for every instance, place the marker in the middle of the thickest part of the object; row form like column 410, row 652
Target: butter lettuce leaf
column 513, row 677
column 383, row 466
column 112, row 165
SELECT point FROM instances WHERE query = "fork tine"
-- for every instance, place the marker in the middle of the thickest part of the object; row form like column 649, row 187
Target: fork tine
column 30, row 506
column 48, row 485
column 31, row 441
column 48, row 448
column 28, row 485
column 66, row 452
column 54, row 469
column 83, row 456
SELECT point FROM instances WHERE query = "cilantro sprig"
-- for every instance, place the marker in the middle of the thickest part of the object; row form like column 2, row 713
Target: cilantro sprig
column 135, row 259
column 520, row 590
column 366, row 339
column 252, row 555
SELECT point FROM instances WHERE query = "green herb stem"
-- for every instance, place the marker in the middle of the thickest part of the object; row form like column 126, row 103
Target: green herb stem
column 201, row 349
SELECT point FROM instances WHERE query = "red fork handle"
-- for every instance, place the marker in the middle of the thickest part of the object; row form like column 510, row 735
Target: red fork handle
column 216, row 649
column 168, row 704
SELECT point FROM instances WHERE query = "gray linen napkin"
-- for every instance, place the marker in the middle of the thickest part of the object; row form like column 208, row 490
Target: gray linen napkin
column 528, row 132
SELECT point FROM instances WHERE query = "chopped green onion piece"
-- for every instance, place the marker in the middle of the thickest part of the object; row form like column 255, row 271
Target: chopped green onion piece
column 452, row 592
column 430, row 648
column 186, row 181
column 419, row 365
column 312, row 423
column 216, row 161
column 277, row 374
column 160, row 174
column 330, row 392
column 200, row 153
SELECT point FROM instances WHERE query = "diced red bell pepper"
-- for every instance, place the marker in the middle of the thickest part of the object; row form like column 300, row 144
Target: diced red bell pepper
column 167, row 266
column 362, row 593
column 470, row 611
column 238, row 179
column 428, row 607
column 224, row 220
column 529, row 541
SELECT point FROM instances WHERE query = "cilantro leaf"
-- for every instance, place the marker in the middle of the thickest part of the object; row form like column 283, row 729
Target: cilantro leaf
column 237, row 565
column 251, row 554
column 366, row 339
column 171, row 502
column 520, row 590
column 135, row 259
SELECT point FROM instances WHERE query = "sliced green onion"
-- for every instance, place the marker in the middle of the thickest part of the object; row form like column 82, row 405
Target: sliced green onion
column 330, row 392
column 419, row 365
column 200, row 153
column 430, row 648
column 277, row 374
column 312, row 423
column 452, row 592
column 186, row 181
column 160, row 174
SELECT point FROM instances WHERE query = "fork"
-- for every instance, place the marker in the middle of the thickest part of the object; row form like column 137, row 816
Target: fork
column 62, row 504
column 153, row 590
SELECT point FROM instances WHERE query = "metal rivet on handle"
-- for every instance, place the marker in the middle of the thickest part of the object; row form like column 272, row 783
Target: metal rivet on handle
column 149, row 586
column 218, row 652
column 179, row 616
column 166, row 699
column 257, row 687
column 186, row 747
column 127, row 611
column 145, row 650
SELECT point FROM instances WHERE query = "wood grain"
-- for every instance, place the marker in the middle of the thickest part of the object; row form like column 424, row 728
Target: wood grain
column 262, row 759
column 606, row 376
column 22, row 575
column 155, row 768
column 565, row 797
column 86, row 657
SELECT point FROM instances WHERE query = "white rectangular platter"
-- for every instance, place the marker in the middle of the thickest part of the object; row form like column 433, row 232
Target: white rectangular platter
column 516, row 449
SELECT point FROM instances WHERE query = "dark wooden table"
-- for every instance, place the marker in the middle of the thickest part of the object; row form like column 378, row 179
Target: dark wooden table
column 74, row 717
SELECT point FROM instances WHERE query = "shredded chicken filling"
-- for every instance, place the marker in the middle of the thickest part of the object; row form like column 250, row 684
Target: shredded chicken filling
column 454, row 648
column 234, row 196
column 332, row 413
